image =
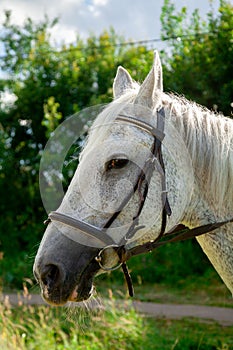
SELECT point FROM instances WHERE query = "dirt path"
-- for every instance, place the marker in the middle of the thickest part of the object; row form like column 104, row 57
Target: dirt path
column 221, row 315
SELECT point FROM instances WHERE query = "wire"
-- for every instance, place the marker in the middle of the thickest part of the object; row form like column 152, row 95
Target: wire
column 141, row 42
column 133, row 43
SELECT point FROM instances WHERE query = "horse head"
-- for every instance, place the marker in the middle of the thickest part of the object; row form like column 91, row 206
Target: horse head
column 119, row 195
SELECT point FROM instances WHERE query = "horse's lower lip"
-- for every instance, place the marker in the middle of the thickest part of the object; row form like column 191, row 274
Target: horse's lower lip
column 56, row 301
column 79, row 293
column 52, row 300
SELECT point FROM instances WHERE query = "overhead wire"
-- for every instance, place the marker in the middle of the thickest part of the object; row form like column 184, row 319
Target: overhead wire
column 131, row 43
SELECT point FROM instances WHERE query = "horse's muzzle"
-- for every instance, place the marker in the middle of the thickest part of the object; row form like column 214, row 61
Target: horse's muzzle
column 64, row 269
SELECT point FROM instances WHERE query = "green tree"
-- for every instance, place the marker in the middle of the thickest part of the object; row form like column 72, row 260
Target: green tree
column 199, row 64
column 48, row 85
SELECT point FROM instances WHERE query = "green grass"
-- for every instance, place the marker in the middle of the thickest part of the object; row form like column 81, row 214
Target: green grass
column 42, row 327
column 199, row 290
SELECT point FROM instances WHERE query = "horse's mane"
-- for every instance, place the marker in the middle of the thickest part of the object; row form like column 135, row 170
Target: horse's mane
column 209, row 138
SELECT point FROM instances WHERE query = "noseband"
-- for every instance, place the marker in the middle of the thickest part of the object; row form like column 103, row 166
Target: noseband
column 141, row 187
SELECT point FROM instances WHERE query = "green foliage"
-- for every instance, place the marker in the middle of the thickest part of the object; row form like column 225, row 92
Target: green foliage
column 200, row 62
column 43, row 327
column 50, row 84
column 170, row 263
column 51, row 115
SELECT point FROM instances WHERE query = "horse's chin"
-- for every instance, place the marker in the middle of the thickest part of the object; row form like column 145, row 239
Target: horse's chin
column 54, row 298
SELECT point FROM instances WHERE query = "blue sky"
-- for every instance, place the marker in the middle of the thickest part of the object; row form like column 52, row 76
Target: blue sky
column 135, row 20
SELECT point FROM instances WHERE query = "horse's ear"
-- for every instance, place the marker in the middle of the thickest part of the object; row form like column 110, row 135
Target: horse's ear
column 122, row 82
column 152, row 87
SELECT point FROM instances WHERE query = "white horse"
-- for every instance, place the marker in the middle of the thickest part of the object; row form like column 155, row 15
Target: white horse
column 137, row 179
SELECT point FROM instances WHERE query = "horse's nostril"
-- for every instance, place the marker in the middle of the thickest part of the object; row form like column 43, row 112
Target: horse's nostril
column 51, row 276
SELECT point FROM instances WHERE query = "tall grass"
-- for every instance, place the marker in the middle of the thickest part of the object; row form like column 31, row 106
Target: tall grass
column 42, row 327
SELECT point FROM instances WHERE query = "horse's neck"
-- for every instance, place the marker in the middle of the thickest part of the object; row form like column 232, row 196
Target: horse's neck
column 209, row 139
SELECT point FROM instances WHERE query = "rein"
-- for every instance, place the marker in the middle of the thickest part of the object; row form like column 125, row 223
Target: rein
column 141, row 187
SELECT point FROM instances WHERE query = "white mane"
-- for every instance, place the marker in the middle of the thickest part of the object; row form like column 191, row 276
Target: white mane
column 208, row 137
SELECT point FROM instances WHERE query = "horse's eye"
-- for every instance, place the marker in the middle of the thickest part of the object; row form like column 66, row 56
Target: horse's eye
column 116, row 164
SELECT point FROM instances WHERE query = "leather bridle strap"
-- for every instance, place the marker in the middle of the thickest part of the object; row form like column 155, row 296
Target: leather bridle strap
column 158, row 134
column 178, row 235
column 143, row 181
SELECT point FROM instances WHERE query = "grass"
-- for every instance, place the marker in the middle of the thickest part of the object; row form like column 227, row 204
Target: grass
column 212, row 295
column 202, row 290
column 43, row 327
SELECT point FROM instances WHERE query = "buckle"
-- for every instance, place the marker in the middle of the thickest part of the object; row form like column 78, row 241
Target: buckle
column 110, row 254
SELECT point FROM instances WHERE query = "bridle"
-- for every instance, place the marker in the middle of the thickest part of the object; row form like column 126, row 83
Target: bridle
column 124, row 253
